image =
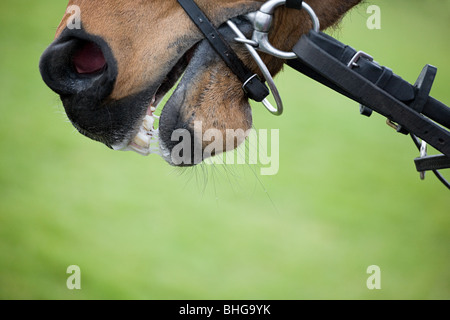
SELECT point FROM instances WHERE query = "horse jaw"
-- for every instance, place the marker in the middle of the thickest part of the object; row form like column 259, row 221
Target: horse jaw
column 207, row 91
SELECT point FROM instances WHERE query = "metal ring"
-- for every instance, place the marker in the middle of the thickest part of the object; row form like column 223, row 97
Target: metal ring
column 262, row 22
column 265, row 71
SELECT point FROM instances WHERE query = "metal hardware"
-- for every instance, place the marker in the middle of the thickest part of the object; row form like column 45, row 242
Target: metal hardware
column 360, row 54
column 262, row 22
column 265, row 71
column 247, row 41
column 392, row 124
column 423, row 154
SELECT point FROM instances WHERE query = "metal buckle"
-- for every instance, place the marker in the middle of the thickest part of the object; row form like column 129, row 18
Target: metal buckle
column 262, row 22
column 353, row 64
column 423, row 154
column 360, row 54
column 248, row 80
column 265, row 71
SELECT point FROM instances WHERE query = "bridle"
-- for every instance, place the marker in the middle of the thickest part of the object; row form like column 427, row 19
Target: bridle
column 408, row 108
column 262, row 22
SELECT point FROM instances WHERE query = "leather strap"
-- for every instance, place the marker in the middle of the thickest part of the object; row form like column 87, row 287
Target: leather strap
column 431, row 163
column 252, row 84
column 326, row 60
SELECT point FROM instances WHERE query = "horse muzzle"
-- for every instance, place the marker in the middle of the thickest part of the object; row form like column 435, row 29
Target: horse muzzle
column 81, row 68
column 78, row 63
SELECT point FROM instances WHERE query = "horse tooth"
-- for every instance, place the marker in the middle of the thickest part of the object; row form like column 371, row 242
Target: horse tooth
column 140, row 151
column 142, row 140
column 148, row 123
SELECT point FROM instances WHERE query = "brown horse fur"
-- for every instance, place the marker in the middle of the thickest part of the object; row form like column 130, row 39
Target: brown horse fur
column 147, row 37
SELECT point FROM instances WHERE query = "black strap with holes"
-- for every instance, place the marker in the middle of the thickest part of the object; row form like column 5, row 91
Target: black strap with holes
column 377, row 88
column 252, row 84
column 431, row 163
column 325, row 59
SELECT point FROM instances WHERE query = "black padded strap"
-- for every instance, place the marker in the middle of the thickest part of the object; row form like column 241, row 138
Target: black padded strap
column 379, row 75
column 252, row 84
column 431, row 163
column 326, row 60
column 415, row 96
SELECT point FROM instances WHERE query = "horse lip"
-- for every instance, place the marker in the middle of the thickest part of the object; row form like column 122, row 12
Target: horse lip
column 169, row 81
column 174, row 74
column 173, row 117
column 166, row 123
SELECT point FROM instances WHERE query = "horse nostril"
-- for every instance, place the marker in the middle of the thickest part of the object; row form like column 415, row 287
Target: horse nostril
column 79, row 65
column 89, row 59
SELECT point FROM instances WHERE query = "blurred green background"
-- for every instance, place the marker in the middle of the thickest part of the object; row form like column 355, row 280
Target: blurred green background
column 346, row 196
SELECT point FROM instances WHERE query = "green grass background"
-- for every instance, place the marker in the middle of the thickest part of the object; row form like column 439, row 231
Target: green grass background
column 346, row 196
